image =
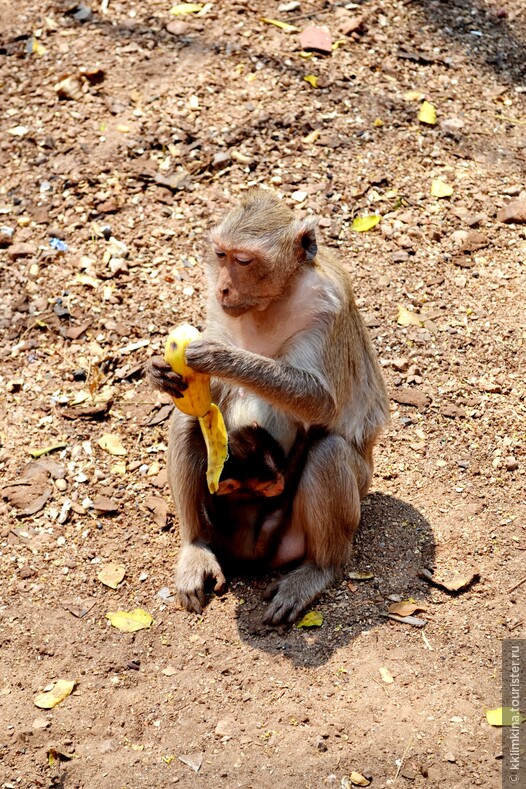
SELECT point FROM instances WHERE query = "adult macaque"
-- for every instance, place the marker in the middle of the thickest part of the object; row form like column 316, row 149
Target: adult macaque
column 288, row 351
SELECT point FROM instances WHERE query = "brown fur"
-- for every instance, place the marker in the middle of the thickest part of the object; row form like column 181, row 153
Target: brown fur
column 286, row 348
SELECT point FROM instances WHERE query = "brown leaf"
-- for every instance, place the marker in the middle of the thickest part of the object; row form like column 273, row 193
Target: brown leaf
column 95, row 411
column 103, row 504
column 454, row 584
column 74, row 332
column 160, row 416
column 79, row 608
column 407, row 396
column 356, row 24
column 28, row 495
column 159, row 508
column 513, row 212
column 452, row 411
column 405, row 608
column 474, row 241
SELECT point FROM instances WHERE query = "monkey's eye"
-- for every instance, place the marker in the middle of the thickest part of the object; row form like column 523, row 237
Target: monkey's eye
column 219, row 253
column 243, row 260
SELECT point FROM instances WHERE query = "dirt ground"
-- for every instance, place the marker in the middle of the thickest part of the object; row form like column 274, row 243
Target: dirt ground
column 126, row 132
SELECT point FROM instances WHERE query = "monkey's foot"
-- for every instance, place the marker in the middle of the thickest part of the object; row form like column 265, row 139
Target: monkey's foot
column 295, row 591
column 196, row 565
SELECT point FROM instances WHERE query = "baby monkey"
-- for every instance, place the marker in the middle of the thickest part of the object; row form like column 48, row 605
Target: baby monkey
column 295, row 375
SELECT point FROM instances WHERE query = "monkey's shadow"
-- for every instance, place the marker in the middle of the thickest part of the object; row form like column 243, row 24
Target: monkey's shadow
column 394, row 543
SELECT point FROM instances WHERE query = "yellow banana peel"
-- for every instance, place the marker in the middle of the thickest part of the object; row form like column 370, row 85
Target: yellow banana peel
column 197, row 401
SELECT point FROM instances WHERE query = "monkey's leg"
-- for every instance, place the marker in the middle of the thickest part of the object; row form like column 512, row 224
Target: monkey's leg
column 186, row 474
column 327, row 509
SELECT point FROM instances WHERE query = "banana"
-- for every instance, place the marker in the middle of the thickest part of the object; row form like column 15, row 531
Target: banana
column 197, row 401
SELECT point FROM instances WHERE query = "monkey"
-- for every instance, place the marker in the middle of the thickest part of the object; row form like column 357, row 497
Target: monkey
column 286, row 347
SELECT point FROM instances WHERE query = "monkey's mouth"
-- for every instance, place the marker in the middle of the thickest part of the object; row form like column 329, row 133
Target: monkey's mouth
column 236, row 310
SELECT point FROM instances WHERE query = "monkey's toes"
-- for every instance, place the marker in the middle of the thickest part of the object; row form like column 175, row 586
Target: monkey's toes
column 193, row 601
column 271, row 590
column 220, row 583
column 282, row 609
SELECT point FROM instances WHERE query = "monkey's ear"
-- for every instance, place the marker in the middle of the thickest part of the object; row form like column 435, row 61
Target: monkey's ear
column 306, row 235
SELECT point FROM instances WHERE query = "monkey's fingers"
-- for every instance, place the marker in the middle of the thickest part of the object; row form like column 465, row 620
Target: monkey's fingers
column 164, row 378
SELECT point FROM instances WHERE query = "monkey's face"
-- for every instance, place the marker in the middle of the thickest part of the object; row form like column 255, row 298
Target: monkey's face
column 242, row 280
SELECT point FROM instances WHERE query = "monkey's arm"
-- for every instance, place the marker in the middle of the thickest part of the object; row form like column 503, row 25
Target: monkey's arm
column 305, row 395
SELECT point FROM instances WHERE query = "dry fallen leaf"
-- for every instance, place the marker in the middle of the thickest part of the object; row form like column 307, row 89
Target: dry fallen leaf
column 427, row 114
column 111, row 574
column 312, row 80
column 38, row 453
column 405, row 608
column 181, row 9
column 282, row 25
column 504, row 716
column 56, row 754
column 455, row 584
column 357, row 779
column 386, row 676
column 312, row 619
column 407, row 317
column 130, row 621
column 356, row 576
column 111, row 442
column 361, row 224
column 440, row 188
column 414, row 621
column 60, row 691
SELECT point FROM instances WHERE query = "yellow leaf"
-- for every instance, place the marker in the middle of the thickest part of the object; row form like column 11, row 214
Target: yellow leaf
column 312, row 619
column 38, row 453
column 504, row 716
column 79, row 397
column 312, row 80
column 440, row 188
column 357, row 779
column 111, row 442
column 378, row 123
column 118, row 468
column 407, row 318
column 386, row 676
column 282, row 25
column 306, row 55
column 355, row 576
column 361, row 224
column 186, row 8
column 37, row 48
column 339, row 43
column 60, row 691
column 427, row 114
column 130, row 621
column 312, row 136
column 85, row 279
column 413, row 95
column 111, row 574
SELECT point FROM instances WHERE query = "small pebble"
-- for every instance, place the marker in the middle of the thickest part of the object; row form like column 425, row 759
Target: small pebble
column 61, row 485
column 511, row 463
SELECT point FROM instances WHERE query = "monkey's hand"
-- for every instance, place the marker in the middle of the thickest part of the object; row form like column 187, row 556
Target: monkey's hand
column 163, row 377
column 207, row 356
column 196, row 565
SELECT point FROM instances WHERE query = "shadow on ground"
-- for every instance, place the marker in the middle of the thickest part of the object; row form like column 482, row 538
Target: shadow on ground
column 394, row 542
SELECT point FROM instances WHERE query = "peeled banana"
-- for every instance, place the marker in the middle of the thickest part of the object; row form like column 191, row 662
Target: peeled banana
column 197, row 401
